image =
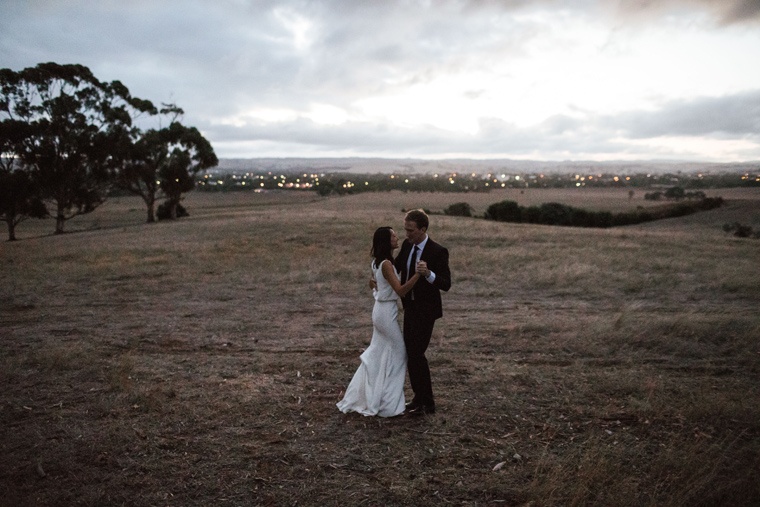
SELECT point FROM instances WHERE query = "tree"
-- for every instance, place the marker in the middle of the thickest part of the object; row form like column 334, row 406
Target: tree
column 77, row 125
column 19, row 196
column 19, row 200
column 139, row 172
column 165, row 160
column 187, row 153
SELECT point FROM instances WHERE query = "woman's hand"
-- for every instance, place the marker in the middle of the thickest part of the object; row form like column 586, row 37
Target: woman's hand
column 390, row 275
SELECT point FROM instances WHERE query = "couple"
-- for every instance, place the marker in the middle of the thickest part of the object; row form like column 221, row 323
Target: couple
column 417, row 276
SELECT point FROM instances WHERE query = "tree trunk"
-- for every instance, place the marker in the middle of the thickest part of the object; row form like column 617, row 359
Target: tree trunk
column 60, row 219
column 151, row 212
column 11, row 230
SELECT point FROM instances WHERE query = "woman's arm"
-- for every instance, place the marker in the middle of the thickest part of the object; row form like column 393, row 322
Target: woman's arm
column 390, row 275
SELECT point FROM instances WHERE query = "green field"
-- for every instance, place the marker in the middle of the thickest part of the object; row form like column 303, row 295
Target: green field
column 199, row 362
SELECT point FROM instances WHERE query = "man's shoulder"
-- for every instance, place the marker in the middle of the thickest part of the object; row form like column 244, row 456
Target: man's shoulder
column 436, row 246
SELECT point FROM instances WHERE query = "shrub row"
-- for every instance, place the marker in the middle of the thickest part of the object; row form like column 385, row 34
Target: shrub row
column 560, row 214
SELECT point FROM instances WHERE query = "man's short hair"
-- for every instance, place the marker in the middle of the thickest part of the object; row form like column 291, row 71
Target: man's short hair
column 419, row 217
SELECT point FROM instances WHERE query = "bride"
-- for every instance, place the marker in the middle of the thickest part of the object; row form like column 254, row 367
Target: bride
column 378, row 385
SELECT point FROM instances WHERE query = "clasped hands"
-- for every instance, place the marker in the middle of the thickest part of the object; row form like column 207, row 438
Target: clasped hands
column 422, row 269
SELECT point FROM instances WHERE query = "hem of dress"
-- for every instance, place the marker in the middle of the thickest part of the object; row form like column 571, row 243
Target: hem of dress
column 365, row 413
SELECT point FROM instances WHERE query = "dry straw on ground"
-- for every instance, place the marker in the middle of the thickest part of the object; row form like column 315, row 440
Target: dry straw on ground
column 199, row 362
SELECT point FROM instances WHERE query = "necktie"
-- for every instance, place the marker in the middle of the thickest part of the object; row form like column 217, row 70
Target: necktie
column 412, row 264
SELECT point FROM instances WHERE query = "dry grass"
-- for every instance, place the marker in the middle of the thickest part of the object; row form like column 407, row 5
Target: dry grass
column 199, row 362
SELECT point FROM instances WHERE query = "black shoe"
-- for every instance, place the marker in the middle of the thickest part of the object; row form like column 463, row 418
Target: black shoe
column 412, row 405
column 422, row 410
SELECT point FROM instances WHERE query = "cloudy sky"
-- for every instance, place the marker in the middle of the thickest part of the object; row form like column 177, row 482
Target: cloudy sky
column 523, row 79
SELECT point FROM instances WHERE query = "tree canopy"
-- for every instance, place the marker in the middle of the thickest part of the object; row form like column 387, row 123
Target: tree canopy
column 74, row 125
column 166, row 160
column 74, row 138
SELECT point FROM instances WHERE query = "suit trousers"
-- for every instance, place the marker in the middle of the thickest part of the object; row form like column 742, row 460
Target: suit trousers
column 418, row 329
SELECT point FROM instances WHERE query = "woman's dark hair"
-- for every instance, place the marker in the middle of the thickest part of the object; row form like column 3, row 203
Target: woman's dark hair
column 381, row 245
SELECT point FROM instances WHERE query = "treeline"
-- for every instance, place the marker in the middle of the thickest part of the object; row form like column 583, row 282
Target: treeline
column 68, row 140
column 676, row 193
column 561, row 214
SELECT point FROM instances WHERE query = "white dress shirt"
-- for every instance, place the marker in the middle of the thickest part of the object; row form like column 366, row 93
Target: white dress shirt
column 409, row 264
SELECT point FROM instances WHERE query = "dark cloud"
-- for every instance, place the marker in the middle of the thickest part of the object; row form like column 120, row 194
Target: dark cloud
column 736, row 115
column 722, row 12
column 224, row 59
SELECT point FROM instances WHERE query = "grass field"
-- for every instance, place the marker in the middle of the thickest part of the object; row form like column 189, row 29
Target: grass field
column 199, row 362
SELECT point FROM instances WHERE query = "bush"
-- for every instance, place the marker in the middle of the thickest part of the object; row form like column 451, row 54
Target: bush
column 531, row 214
column 554, row 213
column 460, row 209
column 676, row 193
column 581, row 218
column 739, row 230
column 601, row 219
column 504, row 211
column 162, row 213
column 654, row 196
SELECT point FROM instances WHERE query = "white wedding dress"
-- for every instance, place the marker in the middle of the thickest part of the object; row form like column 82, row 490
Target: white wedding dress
column 378, row 385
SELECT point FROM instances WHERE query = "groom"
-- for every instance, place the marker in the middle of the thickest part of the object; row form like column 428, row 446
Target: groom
column 422, row 305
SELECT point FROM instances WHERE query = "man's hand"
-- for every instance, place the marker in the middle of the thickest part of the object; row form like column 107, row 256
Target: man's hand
column 422, row 269
column 372, row 283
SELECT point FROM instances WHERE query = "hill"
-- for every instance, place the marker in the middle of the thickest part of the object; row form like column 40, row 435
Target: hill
column 199, row 362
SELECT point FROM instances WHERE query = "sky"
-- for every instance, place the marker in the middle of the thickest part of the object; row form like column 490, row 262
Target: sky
column 602, row 80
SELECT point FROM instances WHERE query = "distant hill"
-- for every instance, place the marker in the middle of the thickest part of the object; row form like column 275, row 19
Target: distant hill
column 420, row 166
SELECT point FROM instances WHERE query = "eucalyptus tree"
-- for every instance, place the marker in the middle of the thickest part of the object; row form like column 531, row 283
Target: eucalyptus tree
column 78, row 126
column 19, row 195
column 187, row 154
column 165, row 161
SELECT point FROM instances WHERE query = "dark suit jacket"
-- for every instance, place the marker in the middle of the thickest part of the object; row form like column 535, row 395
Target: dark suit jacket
column 427, row 296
